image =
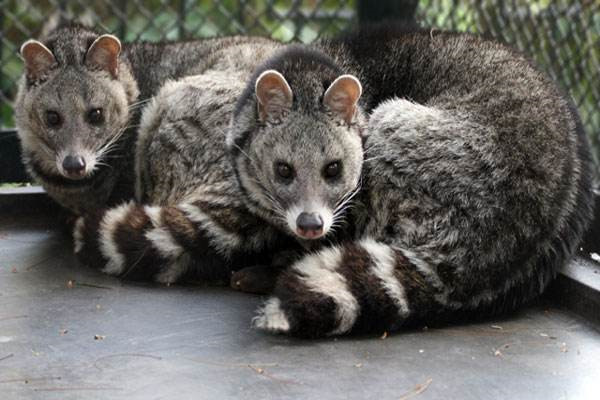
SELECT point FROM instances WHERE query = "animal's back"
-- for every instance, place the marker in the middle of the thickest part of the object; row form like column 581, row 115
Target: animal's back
column 488, row 178
column 181, row 146
column 190, row 218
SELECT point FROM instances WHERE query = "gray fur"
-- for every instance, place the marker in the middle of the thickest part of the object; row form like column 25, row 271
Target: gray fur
column 466, row 183
column 198, row 223
column 72, row 86
column 476, row 183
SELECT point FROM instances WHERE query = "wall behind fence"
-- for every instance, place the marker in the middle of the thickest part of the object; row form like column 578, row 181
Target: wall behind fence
column 563, row 36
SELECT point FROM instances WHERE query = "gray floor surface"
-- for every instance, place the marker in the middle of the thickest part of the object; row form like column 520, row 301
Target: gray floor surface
column 100, row 338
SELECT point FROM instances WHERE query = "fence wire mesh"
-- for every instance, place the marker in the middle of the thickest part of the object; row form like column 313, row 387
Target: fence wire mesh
column 563, row 36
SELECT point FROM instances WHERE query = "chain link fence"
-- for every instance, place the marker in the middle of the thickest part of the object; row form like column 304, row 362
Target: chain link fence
column 156, row 20
column 563, row 36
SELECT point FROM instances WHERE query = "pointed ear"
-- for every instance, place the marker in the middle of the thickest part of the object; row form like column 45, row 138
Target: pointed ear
column 342, row 95
column 274, row 96
column 103, row 54
column 38, row 59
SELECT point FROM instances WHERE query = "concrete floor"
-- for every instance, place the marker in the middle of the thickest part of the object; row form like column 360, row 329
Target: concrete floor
column 196, row 343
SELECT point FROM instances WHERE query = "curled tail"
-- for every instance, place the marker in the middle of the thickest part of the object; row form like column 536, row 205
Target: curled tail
column 164, row 244
column 364, row 286
column 342, row 288
column 369, row 286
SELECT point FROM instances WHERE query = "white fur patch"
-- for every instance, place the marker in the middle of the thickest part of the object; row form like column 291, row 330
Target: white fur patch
column 153, row 213
column 164, row 243
column 396, row 113
column 291, row 216
column 224, row 242
column 384, row 262
column 78, row 234
column 271, row 317
column 161, row 238
column 108, row 246
column 318, row 272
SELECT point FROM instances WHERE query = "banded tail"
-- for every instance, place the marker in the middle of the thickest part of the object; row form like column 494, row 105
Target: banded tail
column 164, row 244
column 369, row 286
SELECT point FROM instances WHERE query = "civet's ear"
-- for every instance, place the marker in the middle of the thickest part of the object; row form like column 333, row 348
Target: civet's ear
column 39, row 60
column 103, row 54
column 342, row 95
column 274, row 96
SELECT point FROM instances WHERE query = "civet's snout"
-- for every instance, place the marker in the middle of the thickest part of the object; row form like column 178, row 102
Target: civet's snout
column 309, row 225
column 74, row 166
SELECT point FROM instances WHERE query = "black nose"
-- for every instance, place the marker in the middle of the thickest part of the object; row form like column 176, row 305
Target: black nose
column 73, row 164
column 309, row 222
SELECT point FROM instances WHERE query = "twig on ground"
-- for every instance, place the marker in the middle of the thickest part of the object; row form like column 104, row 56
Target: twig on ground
column 262, row 372
column 420, row 388
column 13, row 317
column 27, row 380
column 231, row 365
column 256, row 367
column 31, row 266
column 77, row 388
column 91, row 285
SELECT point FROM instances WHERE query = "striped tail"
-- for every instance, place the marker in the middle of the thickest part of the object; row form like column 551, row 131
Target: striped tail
column 164, row 244
column 363, row 286
column 369, row 286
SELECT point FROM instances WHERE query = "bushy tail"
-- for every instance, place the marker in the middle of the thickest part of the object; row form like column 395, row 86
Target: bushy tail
column 158, row 243
column 369, row 286
column 351, row 287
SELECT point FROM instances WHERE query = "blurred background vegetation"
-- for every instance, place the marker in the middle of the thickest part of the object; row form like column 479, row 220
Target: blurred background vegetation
column 563, row 36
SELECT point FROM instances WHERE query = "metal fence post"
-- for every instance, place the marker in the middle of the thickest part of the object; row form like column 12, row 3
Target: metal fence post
column 370, row 11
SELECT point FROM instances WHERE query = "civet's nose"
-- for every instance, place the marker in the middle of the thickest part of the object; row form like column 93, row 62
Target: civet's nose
column 74, row 166
column 309, row 225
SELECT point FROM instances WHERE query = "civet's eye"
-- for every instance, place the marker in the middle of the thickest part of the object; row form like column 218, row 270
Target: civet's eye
column 284, row 171
column 332, row 170
column 95, row 116
column 53, row 119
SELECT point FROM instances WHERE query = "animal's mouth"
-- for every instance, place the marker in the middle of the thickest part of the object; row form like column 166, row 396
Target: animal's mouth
column 77, row 176
column 310, row 234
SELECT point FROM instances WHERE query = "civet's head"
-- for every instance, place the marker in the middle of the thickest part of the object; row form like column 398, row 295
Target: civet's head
column 73, row 102
column 298, row 148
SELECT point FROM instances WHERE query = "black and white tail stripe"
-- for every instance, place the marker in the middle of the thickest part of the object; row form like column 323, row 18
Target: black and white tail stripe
column 366, row 286
column 351, row 287
column 154, row 243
